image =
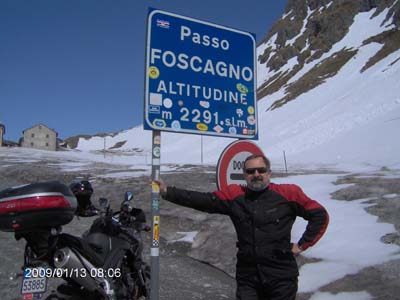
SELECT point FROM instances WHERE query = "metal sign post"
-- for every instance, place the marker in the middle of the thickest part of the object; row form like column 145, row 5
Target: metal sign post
column 155, row 216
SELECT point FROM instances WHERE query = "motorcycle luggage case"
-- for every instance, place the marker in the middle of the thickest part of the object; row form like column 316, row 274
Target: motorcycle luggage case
column 36, row 205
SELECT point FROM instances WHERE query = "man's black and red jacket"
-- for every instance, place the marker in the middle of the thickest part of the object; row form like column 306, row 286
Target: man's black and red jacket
column 263, row 222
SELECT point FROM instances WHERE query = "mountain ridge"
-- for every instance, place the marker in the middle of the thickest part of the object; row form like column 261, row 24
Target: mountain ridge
column 330, row 104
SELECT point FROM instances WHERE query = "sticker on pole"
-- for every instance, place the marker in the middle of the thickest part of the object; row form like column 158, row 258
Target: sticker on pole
column 200, row 78
column 231, row 163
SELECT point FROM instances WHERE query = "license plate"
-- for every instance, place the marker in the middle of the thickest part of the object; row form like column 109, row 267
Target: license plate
column 33, row 285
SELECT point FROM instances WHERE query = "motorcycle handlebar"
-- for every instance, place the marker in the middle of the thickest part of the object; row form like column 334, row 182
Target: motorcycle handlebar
column 130, row 221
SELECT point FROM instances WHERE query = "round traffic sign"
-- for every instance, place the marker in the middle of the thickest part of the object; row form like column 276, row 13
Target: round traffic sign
column 231, row 162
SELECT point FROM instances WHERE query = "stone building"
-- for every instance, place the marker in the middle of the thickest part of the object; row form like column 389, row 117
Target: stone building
column 2, row 132
column 40, row 137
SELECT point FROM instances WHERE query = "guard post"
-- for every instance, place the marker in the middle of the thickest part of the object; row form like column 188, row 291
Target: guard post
column 155, row 215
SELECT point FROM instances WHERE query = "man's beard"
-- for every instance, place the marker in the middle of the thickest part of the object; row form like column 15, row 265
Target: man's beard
column 257, row 184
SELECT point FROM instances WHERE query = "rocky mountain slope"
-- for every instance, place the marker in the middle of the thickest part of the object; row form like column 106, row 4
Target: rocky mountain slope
column 308, row 30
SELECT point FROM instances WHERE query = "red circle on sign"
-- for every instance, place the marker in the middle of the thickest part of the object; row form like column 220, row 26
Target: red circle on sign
column 226, row 157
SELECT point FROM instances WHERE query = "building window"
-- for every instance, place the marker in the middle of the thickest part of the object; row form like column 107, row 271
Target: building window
column 47, row 144
column 32, row 144
column 47, row 135
column 32, row 135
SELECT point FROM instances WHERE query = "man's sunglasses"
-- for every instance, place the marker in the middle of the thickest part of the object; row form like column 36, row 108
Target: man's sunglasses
column 251, row 171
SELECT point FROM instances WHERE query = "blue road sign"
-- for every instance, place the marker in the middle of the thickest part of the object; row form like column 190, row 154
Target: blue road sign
column 200, row 77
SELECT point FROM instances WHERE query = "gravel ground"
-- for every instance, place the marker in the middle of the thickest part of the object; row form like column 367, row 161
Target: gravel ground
column 181, row 277
column 183, row 273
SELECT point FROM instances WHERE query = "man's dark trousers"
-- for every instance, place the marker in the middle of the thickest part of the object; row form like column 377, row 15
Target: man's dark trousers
column 250, row 286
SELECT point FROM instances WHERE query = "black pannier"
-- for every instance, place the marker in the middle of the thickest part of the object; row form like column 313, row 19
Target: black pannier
column 37, row 205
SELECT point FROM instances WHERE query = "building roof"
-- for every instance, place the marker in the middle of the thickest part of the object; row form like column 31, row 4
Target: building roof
column 40, row 124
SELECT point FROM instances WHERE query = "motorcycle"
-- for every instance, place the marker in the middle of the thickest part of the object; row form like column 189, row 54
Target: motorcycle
column 105, row 263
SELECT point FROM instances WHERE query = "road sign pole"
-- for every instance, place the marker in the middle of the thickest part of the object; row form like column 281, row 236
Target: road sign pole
column 155, row 216
column 201, row 137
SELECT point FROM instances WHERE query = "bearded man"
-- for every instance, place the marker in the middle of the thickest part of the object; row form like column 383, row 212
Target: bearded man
column 263, row 214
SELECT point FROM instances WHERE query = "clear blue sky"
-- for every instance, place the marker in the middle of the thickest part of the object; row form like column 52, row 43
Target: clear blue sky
column 77, row 66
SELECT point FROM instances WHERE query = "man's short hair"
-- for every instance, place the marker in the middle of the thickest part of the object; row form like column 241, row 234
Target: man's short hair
column 254, row 156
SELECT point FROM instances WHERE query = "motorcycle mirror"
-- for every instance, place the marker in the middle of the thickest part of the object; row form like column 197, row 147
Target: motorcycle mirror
column 126, row 205
column 104, row 203
column 128, row 196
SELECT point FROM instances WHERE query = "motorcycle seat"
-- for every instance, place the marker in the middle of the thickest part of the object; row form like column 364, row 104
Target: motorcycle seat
column 83, row 247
